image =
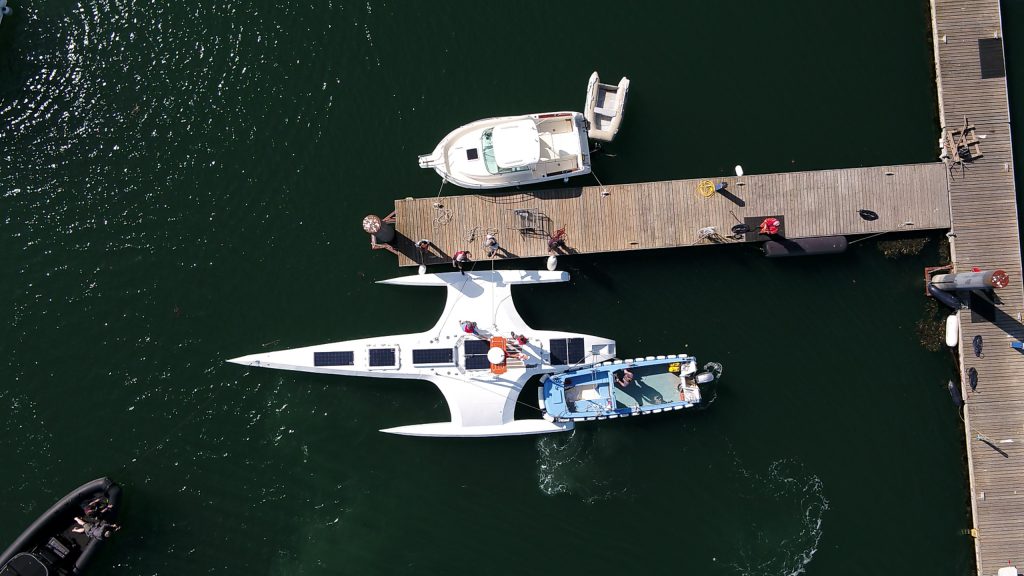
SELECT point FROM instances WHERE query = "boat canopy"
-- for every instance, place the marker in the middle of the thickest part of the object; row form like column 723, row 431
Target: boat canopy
column 516, row 144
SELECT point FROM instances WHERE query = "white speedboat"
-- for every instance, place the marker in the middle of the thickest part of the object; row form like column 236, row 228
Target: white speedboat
column 480, row 353
column 513, row 150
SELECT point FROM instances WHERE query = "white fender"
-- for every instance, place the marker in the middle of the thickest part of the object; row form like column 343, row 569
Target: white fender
column 952, row 330
column 552, row 262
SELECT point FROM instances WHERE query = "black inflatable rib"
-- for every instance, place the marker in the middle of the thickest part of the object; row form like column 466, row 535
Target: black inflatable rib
column 48, row 545
column 783, row 247
column 945, row 297
column 954, row 392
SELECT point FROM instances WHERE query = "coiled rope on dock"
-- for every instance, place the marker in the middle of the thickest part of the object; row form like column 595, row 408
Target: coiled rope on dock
column 442, row 215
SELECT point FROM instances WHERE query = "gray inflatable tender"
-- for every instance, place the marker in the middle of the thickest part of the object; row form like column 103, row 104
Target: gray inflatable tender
column 805, row 246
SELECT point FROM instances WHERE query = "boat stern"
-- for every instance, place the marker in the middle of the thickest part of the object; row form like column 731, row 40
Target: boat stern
column 551, row 397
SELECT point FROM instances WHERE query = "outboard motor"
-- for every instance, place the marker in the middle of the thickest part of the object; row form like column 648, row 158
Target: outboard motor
column 705, row 378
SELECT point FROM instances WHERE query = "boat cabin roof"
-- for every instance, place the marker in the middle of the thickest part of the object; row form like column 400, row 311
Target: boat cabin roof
column 516, row 144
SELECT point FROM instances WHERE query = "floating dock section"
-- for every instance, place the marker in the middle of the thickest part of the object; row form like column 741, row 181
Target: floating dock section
column 973, row 111
column 675, row 213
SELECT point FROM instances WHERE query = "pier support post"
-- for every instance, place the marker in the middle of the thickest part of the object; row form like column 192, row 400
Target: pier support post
column 984, row 280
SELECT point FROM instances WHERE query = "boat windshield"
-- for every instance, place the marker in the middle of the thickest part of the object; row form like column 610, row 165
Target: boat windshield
column 487, row 145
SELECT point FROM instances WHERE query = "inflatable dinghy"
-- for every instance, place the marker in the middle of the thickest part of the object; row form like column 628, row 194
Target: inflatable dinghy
column 805, row 246
column 945, row 297
column 603, row 111
column 66, row 537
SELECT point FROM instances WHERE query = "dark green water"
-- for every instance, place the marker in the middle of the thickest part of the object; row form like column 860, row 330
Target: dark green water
column 183, row 183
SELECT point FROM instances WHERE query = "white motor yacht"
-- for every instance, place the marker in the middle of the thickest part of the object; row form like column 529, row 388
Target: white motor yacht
column 513, row 150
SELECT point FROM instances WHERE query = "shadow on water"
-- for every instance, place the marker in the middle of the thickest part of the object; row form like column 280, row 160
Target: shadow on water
column 590, row 271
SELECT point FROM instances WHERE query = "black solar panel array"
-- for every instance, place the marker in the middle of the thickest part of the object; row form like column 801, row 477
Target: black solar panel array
column 334, row 358
column 477, row 362
column 566, row 351
column 433, row 356
column 574, row 351
column 476, row 354
column 382, row 357
column 558, row 348
column 475, row 347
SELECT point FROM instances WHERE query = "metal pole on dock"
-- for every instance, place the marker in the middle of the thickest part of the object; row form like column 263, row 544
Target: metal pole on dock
column 982, row 280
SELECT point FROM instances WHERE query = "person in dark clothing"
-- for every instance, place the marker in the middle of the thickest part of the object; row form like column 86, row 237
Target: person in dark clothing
column 460, row 258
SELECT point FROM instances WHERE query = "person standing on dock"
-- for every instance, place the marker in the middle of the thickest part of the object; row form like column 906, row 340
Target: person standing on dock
column 460, row 258
column 556, row 242
column 491, row 245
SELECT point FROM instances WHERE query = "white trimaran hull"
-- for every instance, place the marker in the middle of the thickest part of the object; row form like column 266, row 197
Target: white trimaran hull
column 481, row 400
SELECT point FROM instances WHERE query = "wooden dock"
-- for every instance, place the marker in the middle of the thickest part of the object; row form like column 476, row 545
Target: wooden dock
column 972, row 90
column 674, row 213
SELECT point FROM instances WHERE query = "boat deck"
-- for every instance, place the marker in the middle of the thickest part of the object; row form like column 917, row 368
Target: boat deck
column 972, row 91
column 674, row 214
column 652, row 385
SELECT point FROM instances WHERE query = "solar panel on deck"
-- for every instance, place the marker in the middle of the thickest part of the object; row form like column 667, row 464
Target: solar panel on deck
column 333, row 358
column 574, row 353
column 558, row 349
column 382, row 357
column 477, row 362
column 475, row 346
column 433, row 356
